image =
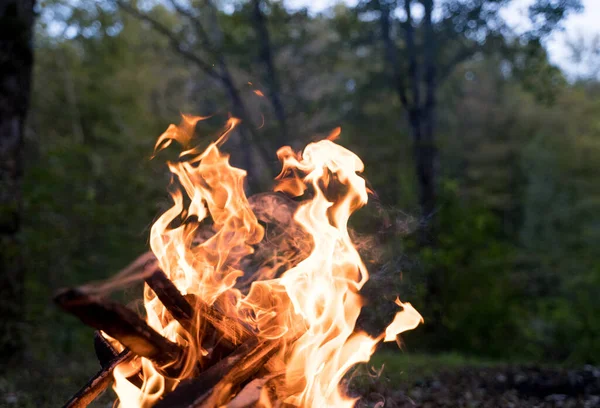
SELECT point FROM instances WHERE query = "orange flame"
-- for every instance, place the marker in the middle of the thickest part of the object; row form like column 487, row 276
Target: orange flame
column 334, row 134
column 311, row 308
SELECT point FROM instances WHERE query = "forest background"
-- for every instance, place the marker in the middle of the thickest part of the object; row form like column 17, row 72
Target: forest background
column 484, row 157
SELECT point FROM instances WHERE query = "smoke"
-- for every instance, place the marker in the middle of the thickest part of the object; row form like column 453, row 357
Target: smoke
column 134, row 273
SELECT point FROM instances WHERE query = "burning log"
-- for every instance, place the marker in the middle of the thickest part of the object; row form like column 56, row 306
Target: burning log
column 196, row 388
column 104, row 350
column 249, row 396
column 285, row 275
column 232, row 371
column 171, row 298
column 245, row 369
column 120, row 323
column 233, row 331
column 106, row 354
column 128, row 328
column 98, row 383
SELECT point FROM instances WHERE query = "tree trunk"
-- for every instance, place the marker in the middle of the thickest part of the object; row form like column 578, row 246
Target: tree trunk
column 420, row 114
column 250, row 147
column 270, row 73
column 16, row 61
column 427, row 149
column 423, row 155
column 421, row 125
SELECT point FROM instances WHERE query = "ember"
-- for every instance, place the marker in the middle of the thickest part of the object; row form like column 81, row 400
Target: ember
column 248, row 301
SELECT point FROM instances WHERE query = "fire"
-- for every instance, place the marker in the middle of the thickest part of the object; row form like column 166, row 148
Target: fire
column 309, row 309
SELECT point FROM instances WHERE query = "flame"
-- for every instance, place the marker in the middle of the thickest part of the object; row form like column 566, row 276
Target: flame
column 334, row 134
column 405, row 320
column 310, row 308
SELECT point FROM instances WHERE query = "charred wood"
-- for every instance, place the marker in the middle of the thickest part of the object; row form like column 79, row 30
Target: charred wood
column 250, row 394
column 240, row 373
column 104, row 350
column 120, row 323
column 232, row 330
column 220, row 333
column 194, row 391
column 171, row 298
column 98, row 383
column 185, row 309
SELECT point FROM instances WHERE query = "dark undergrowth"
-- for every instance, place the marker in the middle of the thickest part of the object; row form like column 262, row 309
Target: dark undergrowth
column 402, row 380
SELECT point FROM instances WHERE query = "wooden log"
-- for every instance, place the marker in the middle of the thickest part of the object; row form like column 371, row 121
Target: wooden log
column 230, row 328
column 241, row 372
column 171, row 298
column 284, row 245
column 250, row 394
column 98, row 383
column 120, row 323
column 184, row 309
column 106, row 353
column 198, row 388
column 104, row 350
column 220, row 334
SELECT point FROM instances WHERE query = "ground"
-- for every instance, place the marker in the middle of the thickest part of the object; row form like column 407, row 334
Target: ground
column 406, row 380
column 454, row 381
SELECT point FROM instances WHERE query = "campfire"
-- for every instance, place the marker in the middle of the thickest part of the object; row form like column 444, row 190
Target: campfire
column 248, row 301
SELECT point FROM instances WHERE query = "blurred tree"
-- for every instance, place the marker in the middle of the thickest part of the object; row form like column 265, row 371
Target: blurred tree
column 16, row 64
column 515, row 211
column 270, row 75
column 488, row 116
column 422, row 48
column 422, row 51
column 91, row 190
column 528, row 64
column 204, row 47
column 585, row 55
column 561, row 224
column 472, row 261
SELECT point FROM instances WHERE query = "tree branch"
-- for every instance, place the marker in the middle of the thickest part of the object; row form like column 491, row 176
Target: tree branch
column 175, row 42
column 222, row 74
column 197, row 25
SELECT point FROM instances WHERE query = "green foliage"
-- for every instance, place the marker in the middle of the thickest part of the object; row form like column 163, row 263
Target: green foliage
column 401, row 366
column 560, row 227
column 476, row 303
column 515, row 258
column 547, row 14
column 90, row 189
column 537, row 76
